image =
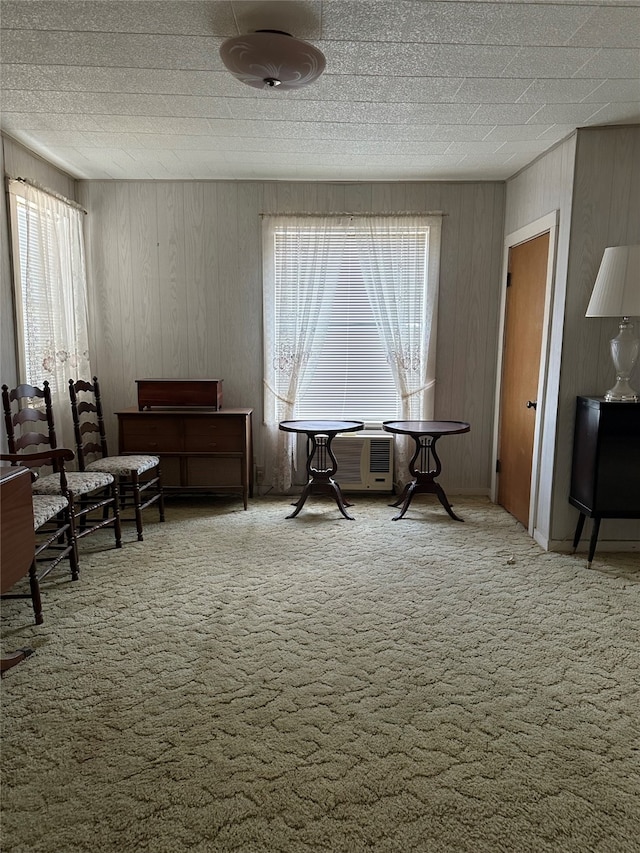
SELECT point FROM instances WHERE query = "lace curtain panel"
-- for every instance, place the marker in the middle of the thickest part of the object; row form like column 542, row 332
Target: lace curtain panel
column 295, row 324
column 50, row 295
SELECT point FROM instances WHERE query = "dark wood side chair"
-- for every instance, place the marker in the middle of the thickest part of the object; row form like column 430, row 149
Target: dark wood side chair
column 93, row 496
column 139, row 477
column 52, row 522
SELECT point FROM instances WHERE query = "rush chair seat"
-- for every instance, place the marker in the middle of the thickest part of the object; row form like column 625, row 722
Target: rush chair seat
column 138, row 476
column 52, row 524
column 93, row 496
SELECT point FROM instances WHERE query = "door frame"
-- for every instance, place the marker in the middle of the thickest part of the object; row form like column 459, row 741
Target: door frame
column 522, row 235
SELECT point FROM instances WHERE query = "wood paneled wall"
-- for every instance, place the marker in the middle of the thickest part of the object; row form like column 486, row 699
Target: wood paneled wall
column 175, row 290
column 19, row 162
column 605, row 212
column 175, row 278
column 593, row 180
column 542, row 188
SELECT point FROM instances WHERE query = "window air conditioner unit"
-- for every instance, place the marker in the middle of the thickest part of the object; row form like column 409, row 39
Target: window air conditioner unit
column 365, row 461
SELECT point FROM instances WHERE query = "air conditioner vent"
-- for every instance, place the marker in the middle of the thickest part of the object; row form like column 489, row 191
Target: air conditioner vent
column 380, row 455
column 365, row 461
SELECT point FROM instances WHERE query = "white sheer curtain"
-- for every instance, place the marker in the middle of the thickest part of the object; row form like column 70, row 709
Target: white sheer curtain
column 401, row 269
column 298, row 292
column 50, row 295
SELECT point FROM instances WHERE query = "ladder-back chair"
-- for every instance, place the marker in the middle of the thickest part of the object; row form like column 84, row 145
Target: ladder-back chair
column 52, row 523
column 93, row 496
column 138, row 475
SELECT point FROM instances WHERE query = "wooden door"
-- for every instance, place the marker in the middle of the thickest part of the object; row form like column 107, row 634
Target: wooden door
column 520, row 372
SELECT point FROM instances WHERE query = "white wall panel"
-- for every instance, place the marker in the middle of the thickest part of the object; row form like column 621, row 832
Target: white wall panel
column 606, row 212
column 192, row 306
column 175, row 286
column 593, row 180
column 19, row 162
column 542, row 188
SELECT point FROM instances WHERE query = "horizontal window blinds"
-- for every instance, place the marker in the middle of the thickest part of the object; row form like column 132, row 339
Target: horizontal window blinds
column 353, row 376
column 39, row 312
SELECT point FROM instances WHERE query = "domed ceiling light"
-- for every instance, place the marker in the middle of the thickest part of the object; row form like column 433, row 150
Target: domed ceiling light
column 267, row 59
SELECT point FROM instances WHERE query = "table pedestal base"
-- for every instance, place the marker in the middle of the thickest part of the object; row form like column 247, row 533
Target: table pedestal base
column 318, row 486
column 423, row 485
column 425, row 464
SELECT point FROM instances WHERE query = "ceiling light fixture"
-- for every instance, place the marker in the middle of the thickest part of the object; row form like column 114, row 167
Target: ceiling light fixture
column 267, row 59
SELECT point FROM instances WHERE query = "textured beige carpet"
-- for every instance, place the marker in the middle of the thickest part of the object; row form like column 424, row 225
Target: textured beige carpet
column 239, row 681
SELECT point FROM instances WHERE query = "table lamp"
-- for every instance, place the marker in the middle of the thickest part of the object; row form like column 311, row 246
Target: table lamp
column 616, row 293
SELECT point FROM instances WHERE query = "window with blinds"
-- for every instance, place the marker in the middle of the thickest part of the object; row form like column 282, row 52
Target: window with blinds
column 35, row 234
column 49, row 287
column 353, row 377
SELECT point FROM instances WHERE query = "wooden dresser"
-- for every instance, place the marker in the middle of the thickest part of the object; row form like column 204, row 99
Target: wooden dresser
column 201, row 449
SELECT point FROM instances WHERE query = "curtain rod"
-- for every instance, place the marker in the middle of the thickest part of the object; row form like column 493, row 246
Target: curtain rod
column 48, row 191
column 362, row 215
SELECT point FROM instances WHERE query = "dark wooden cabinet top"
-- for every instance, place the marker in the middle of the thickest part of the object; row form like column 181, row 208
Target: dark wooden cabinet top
column 179, row 392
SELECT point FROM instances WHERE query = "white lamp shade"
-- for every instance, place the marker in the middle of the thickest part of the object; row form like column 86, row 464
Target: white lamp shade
column 616, row 292
column 269, row 59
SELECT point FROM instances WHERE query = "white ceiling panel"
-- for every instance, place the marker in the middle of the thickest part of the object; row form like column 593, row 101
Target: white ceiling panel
column 616, row 92
column 536, row 24
column 117, row 16
column 478, row 90
column 506, row 132
column 560, row 91
column 611, row 26
column 576, row 114
column 413, row 89
column 550, row 62
column 488, row 113
column 613, row 64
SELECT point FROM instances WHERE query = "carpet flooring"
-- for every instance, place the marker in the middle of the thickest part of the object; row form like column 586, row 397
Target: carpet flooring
column 243, row 682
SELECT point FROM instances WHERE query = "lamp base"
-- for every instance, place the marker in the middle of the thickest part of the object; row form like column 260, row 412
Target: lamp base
column 622, row 392
column 624, row 352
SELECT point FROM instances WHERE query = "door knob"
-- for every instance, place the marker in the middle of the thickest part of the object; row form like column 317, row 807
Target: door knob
column 532, row 404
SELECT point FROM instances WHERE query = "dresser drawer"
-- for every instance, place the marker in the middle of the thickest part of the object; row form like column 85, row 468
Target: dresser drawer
column 214, row 435
column 213, row 473
column 150, row 434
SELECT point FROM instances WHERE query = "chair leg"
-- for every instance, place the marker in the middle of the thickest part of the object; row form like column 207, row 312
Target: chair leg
column 137, row 500
column 35, row 593
column 161, row 492
column 82, row 515
column 72, row 542
column 117, row 525
column 62, row 520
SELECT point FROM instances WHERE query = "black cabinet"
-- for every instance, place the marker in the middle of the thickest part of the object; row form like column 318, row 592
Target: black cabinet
column 605, row 476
